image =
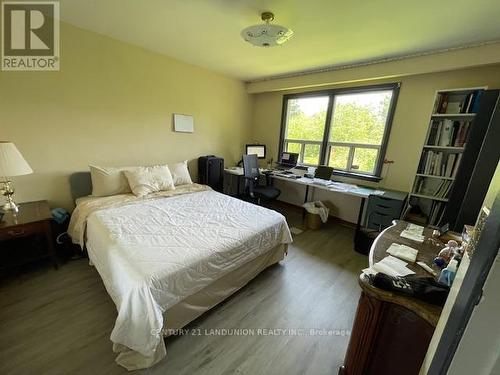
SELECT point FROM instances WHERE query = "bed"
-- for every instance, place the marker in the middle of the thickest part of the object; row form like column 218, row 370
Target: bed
column 168, row 258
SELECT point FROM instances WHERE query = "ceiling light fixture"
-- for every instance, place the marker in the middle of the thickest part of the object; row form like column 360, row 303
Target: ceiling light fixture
column 266, row 35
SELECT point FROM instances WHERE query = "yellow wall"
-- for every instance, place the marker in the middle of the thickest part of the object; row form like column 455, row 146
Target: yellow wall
column 409, row 127
column 444, row 61
column 112, row 104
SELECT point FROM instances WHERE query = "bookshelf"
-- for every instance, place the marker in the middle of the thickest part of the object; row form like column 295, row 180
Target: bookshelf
column 450, row 148
column 433, row 176
column 453, row 115
column 430, row 197
column 449, row 127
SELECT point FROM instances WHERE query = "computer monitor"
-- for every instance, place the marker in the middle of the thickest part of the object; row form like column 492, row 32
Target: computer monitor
column 259, row 150
column 289, row 159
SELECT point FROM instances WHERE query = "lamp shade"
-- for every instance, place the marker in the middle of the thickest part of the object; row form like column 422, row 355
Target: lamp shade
column 12, row 162
column 266, row 35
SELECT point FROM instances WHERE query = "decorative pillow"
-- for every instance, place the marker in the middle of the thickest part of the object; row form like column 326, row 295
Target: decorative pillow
column 147, row 180
column 108, row 181
column 180, row 173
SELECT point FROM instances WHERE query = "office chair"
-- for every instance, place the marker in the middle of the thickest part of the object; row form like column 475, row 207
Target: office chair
column 255, row 191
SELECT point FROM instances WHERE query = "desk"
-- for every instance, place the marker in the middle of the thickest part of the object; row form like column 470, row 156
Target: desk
column 391, row 332
column 311, row 183
column 239, row 173
column 336, row 187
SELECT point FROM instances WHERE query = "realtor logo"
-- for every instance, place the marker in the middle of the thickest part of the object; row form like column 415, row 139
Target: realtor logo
column 30, row 35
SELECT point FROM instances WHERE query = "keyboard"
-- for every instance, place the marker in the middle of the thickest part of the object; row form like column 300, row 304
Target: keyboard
column 286, row 174
column 284, row 167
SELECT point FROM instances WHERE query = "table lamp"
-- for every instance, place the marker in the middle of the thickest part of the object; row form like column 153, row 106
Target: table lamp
column 12, row 164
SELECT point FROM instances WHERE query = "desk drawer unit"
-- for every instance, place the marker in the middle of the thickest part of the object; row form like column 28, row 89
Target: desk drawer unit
column 381, row 211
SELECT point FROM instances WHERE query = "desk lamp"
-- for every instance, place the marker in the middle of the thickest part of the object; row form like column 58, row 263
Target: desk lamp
column 12, row 164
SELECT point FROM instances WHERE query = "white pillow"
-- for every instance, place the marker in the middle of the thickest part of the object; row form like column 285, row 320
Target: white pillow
column 108, row 181
column 147, row 180
column 180, row 173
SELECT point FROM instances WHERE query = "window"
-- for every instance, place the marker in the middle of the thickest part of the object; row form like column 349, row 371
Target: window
column 306, row 127
column 345, row 129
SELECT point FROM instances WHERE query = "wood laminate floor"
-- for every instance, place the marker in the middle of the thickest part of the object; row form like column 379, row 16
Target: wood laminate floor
column 59, row 322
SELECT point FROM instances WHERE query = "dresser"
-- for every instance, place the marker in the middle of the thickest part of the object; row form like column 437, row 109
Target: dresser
column 391, row 332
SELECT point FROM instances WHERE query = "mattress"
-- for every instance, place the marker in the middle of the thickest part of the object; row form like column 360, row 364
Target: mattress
column 153, row 253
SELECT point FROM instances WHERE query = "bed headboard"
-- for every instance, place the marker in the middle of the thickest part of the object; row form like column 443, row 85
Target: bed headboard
column 81, row 184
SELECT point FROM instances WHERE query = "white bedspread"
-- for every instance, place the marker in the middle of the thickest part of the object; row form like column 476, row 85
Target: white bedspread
column 153, row 253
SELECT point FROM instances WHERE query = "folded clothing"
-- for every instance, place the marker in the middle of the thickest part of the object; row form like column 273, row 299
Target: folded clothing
column 424, row 288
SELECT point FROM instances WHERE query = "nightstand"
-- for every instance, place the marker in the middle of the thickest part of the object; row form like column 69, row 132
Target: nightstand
column 32, row 221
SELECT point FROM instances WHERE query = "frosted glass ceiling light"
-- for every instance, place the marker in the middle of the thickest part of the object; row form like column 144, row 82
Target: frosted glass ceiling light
column 266, row 35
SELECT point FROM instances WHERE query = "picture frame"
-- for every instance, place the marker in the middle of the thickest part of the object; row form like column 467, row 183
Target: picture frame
column 183, row 123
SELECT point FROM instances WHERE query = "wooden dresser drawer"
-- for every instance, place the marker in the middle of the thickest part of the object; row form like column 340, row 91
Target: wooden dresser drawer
column 26, row 236
column 25, row 230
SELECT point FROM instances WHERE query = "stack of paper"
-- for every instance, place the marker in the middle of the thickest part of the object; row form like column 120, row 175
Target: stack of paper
column 390, row 266
column 403, row 252
column 341, row 186
column 322, row 182
column 414, row 232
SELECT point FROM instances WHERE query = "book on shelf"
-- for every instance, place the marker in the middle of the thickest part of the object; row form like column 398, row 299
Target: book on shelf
column 450, row 162
column 467, row 104
column 462, row 132
column 441, row 103
column 457, row 102
column 433, row 212
column 440, row 218
column 444, row 189
column 437, row 164
column 428, row 159
column 436, row 213
column 432, row 188
column 471, row 102
column 441, row 164
column 448, row 133
column 475, row 104
column 446, row 193
column 456, row 165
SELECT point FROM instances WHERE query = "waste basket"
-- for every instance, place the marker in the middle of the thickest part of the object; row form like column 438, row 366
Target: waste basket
column 316, row 214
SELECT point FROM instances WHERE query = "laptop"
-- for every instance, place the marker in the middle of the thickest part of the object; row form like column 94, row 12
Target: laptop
column 288, row 160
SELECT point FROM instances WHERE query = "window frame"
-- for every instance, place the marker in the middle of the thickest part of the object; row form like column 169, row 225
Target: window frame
column 326, row 144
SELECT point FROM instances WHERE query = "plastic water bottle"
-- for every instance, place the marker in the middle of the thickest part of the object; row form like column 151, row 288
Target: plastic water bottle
column 448, row 274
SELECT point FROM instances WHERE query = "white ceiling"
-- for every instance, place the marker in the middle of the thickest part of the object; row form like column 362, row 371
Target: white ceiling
column 327, row 32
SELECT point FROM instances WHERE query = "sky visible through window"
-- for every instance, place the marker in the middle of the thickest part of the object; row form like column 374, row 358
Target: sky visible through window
column 312, row 106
